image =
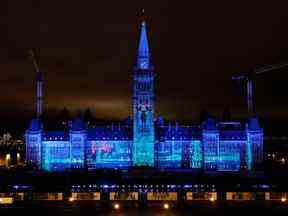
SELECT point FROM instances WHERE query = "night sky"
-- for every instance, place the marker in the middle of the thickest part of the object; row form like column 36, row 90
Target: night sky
column 87, row 53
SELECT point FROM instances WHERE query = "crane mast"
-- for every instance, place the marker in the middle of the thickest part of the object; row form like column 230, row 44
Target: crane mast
column 250, row 101
column 249, row 79
column 39, row 84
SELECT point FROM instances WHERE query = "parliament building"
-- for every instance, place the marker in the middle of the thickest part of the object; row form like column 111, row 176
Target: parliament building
column 145, row 141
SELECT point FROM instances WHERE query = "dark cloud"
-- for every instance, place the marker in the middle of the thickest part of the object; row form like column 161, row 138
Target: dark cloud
column 87, row 51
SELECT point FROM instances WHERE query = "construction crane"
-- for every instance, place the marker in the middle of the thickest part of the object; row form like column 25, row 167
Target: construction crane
column 31, row 53
column 249, row 79
column 39, row 80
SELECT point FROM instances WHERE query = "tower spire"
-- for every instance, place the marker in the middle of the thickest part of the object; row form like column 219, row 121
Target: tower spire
column 143, row 58
column 143, row 104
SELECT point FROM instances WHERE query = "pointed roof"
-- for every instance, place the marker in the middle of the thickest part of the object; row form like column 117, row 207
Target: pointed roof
column 143, row 49
column 143, row 61
column 35, row 125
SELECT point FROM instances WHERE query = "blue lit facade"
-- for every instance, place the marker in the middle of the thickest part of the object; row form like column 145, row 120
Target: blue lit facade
column 143, row 105
column 211, row 146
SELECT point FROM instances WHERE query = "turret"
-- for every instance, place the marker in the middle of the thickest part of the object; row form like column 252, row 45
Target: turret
column 33, row 138
column 210, row 139
column 254, row 145
column 78, row 140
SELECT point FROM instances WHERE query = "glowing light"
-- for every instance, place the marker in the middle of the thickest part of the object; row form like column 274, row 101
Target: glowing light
column 166, row 206
column 8, row 157
column 196, row 154
column 211, row 149
column 212, row 199
column 116, row 206
column 6, row 200
column 78, row 139
column 283, row 199
column 143, row 49
column 254, row 148
column 207, row 146
column 118, row 155
column 229, row 155
column 71, row 199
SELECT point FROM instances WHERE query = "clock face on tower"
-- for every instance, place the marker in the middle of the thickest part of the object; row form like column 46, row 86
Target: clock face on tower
column 144, row 64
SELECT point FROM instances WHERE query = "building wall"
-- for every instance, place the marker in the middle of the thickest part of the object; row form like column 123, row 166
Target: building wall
column 78, row 141
column 33, row 147
column 210, row 152
column 56, row 155
column 108, row 153
column 170, row 154
column 196, row 154
column 210, row 140
column 230, row 155
column 186, row 147
column 254, row 149
column 143, row 127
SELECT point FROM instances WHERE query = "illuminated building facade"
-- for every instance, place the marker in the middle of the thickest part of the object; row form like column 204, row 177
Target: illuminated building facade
column 143, row 105
column 146, row 140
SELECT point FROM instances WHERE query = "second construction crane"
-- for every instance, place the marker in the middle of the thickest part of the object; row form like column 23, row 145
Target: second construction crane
column 249, row 79
column 39, row 80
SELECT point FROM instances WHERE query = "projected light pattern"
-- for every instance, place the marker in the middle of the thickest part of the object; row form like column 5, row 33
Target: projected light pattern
column 144, row 141
column 229, row 155
column 170, row 154
column 33, row 143
column 254, row 149
column 143, row 105
column 196, row 154
column 109, row 154
column 56, row 155
column 210, row 149
column 175, row 147
column 143, row 61
column 78, row 140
